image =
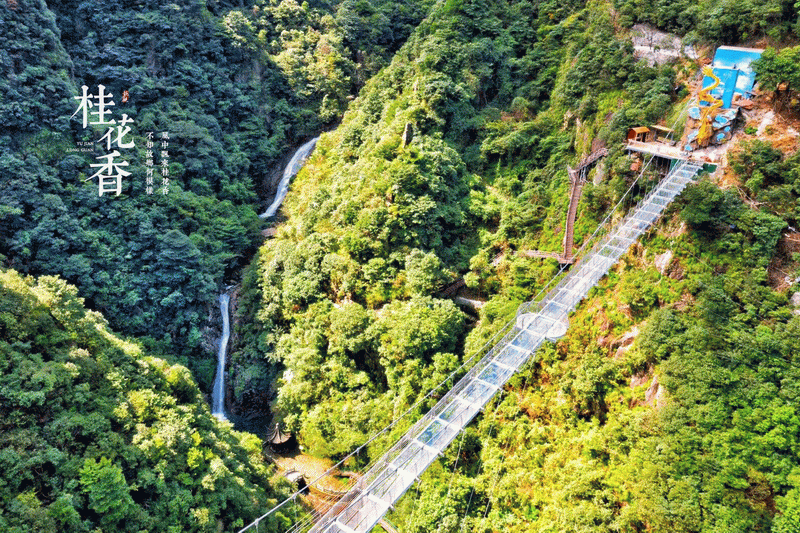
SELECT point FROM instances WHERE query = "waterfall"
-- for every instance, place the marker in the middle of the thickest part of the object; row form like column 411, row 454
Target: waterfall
column 218, row 393
column 291, row 169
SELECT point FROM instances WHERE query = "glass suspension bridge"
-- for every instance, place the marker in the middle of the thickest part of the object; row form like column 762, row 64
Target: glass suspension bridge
column 373, row 493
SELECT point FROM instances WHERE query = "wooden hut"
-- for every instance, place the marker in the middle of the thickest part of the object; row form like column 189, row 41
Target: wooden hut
column 641, row 134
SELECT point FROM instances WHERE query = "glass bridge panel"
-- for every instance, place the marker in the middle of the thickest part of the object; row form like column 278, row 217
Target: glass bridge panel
column 526, row 340
column 414, row 458
column 360, row 512
column 458, row 412
column 513, row 357
column 438, row 435
column 478, row 393
column 391, row 484
column 495, row 375
column 397, row 471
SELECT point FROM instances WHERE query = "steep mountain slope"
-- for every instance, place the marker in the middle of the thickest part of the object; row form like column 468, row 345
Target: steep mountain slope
column 426, row 175
column 232, row 105
column 457, row 152
column 96, row 434
column 451, row 162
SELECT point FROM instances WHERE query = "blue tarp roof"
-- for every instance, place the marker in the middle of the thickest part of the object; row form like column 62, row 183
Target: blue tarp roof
column 732, row 65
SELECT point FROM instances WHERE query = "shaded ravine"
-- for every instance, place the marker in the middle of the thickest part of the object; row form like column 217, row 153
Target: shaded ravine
column 219, row 388
column 218, row 392
column 292, row 168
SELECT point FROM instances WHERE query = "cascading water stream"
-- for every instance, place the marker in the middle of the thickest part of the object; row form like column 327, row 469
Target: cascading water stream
column 218, row 393
column 291, row 169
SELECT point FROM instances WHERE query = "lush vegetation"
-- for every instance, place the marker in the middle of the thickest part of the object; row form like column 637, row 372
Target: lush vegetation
column 438, row 164
column 692, row 426
column 454, row 123
column 325, row 50
column 98, row 435
column 777, row 73
column 716, row 21
column 456, row 152
column 152, row 264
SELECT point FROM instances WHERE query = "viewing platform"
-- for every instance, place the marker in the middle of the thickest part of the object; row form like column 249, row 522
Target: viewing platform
column 659, row 150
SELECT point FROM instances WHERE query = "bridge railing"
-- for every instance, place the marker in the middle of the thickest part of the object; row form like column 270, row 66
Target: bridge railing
column 395, row 472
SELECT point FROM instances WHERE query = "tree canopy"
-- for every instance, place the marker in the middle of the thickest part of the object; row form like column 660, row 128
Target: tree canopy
column 99, row 434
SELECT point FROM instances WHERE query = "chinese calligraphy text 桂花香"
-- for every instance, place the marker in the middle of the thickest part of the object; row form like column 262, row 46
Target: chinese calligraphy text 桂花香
column 94, row 109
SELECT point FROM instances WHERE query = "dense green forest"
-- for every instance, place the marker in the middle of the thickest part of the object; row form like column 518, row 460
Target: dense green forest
column 691, row 427
column 152, row 264
column 98, row 435
column 671, row 405
column 457, row 152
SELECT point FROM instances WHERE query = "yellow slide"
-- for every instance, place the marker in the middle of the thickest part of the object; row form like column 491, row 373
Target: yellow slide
column 709, row 112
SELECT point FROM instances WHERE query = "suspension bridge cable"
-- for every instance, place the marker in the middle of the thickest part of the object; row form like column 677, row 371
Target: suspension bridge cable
column 327, row 501
column 490, row 494
column 591, row 238
column 627, row 194
column 416, row 500
column 455, row 463
column 490, row 430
